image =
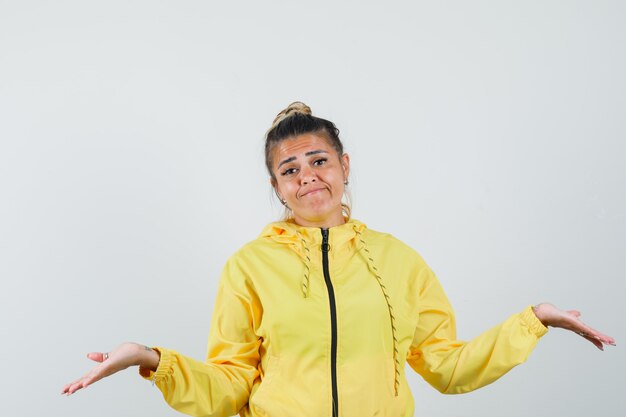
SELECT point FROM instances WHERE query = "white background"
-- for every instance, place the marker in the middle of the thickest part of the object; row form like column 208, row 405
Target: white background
column 488, row 135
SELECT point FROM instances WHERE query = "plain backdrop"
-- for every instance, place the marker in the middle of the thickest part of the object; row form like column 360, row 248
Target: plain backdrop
column 488, row 135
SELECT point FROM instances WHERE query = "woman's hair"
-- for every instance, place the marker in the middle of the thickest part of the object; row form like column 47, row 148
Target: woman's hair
column 297, row 119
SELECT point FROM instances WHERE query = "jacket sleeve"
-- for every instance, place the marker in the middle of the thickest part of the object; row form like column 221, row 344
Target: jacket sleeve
column 221, row 385
column 453, row 366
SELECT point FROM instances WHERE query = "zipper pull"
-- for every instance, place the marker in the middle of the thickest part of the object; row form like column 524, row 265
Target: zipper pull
column 325, row 245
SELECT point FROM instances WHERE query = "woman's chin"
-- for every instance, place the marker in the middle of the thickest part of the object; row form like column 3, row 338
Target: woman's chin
column 321, row 214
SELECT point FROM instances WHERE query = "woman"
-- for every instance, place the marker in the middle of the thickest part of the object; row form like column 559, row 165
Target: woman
column 318, row 315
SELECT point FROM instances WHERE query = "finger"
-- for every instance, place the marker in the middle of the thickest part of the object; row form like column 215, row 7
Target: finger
column 593, row 340
column 86, row 380
column 66, row 387
column 574, row 313
column 601, row 337
column 97, row 356
column 608, row 340
column 75, row 387
column 604, row 338
column 97, row 373
column 71, row 387
column 598, row 339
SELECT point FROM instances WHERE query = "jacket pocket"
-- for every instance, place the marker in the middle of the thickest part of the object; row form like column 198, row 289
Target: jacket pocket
column 259, row 399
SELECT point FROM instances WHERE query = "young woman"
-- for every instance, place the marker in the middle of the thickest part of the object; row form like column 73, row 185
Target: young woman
column 319, row 314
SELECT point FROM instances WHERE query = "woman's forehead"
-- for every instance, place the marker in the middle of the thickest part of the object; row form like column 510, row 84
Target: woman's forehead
column 300, row 145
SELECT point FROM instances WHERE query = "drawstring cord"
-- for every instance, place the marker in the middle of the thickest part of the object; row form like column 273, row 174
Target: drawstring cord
column 372, row 267
column 307, row 268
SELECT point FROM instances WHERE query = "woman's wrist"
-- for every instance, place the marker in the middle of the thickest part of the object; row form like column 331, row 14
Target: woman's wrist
column 148, row 358
column 539, row 313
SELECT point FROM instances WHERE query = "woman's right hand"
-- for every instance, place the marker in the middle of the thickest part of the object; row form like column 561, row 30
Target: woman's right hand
column 123, row 356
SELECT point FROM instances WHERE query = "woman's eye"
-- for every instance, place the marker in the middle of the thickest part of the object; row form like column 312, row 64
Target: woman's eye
column 288, row 171
column 320, row 161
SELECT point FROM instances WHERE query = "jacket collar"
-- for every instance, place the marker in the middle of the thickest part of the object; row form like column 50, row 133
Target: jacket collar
column 291, row 233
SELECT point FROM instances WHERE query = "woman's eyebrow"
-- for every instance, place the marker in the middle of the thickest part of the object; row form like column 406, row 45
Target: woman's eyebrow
column 315, row 152
column 293, row 158
column 286, row 161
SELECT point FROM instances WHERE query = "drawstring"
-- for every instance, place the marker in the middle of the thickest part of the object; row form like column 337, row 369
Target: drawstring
column 307, row 268
column 372, row 267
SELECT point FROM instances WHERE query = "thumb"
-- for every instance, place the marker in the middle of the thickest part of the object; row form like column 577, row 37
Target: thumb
column 96, row 356
column 574, row 313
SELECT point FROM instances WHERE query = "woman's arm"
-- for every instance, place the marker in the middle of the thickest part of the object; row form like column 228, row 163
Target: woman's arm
column 454, row 366
column 219, row 386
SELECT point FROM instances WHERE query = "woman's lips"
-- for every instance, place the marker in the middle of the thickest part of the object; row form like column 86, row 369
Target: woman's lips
column 312, row 191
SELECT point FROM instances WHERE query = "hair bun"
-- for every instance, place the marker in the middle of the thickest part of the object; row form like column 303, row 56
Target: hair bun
column 290, row 110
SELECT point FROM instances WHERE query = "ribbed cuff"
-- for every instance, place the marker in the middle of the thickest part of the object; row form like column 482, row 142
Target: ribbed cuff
column 163, row 370
column 534, row 324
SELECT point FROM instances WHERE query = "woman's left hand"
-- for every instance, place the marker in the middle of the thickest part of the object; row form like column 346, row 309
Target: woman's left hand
column 549, row 315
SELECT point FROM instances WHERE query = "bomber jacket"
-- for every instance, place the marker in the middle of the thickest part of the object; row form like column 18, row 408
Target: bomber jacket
column 313, row 322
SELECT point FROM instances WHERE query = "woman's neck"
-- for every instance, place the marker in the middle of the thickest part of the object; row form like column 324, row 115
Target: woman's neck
column 322, row 223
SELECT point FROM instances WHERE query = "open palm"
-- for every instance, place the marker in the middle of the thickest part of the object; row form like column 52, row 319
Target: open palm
column 122, row 357
column 549, row 315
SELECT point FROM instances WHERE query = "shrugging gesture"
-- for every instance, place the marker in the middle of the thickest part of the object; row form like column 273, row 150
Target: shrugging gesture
column 134, row 354
column 319, row 315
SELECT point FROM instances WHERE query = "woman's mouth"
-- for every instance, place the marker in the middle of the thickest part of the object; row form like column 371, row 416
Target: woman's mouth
column 311, row 192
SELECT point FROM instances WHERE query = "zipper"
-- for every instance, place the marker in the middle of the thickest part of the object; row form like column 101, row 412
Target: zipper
column 333, row 321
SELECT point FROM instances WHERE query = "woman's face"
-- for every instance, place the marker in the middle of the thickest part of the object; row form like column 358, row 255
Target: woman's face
column 309, row 176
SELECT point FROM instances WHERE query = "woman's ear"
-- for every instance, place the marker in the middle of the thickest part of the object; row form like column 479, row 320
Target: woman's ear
column 345, row 163
column 274, row 185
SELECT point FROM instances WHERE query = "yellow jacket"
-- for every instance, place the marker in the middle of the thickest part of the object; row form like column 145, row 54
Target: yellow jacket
column 307, row 327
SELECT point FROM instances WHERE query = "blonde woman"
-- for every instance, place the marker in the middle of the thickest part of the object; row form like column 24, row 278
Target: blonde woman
column 319, row 315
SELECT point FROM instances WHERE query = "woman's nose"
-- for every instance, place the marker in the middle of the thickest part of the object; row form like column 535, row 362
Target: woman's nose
column 307, row 175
